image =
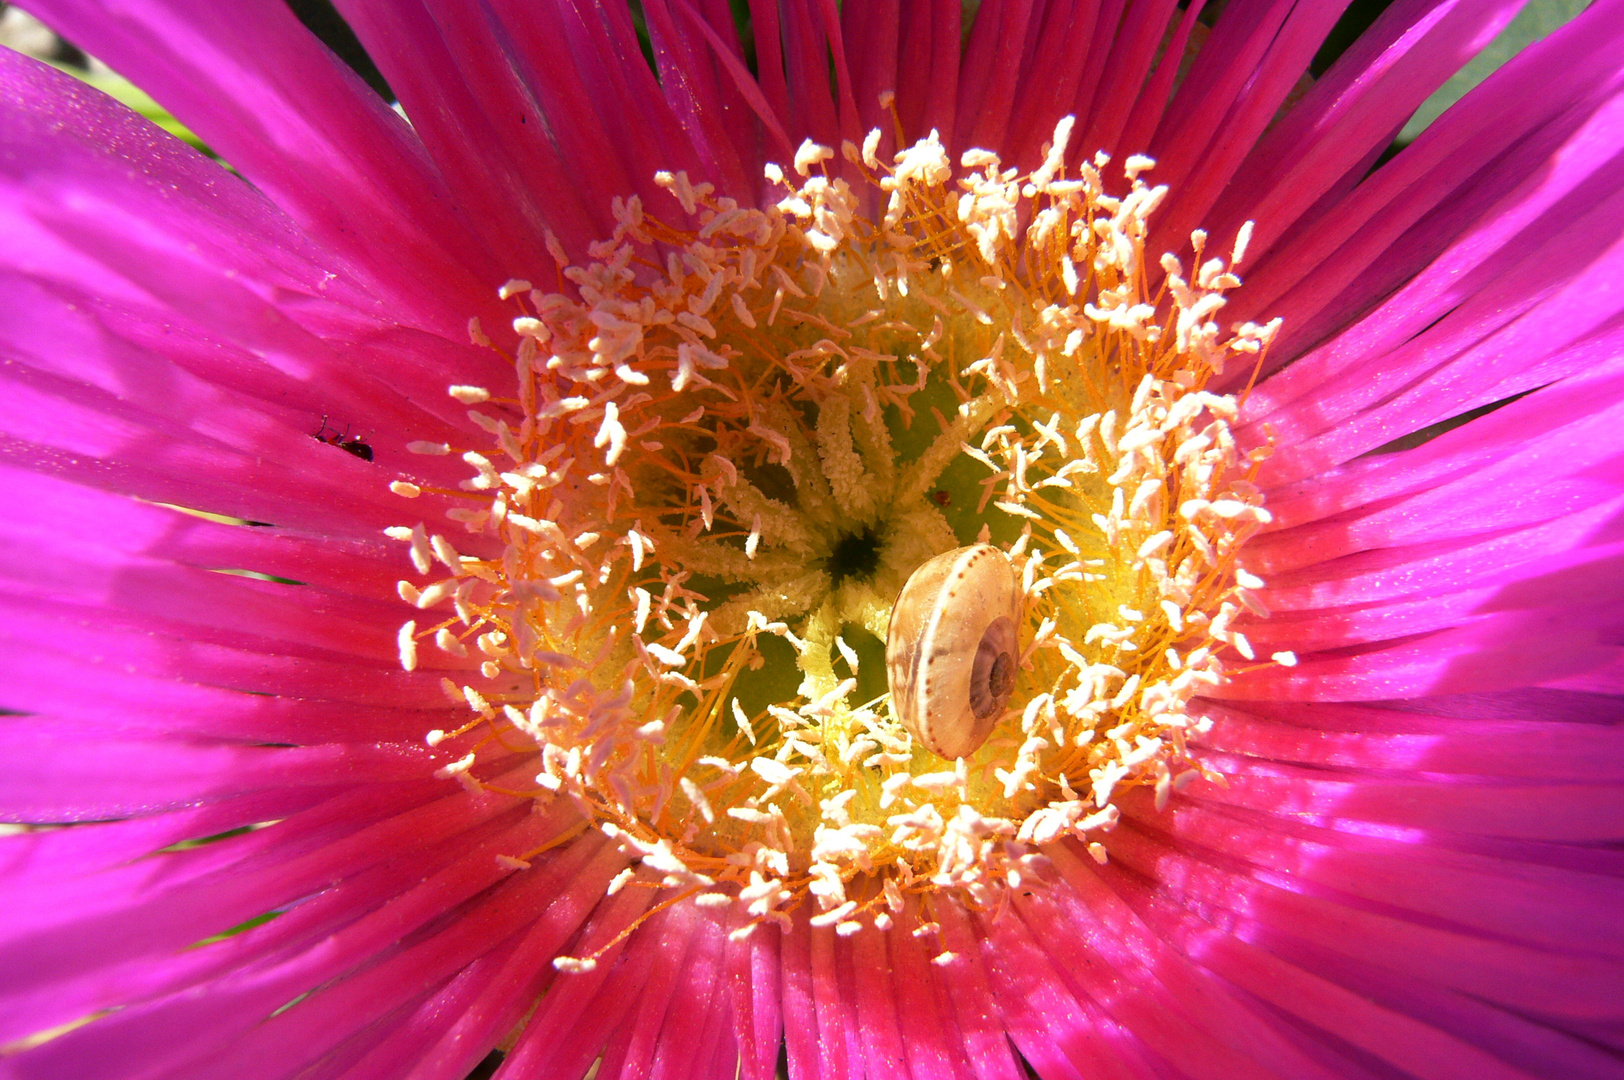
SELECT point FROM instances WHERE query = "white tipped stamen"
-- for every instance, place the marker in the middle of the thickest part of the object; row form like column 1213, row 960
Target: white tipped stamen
column 406, row 641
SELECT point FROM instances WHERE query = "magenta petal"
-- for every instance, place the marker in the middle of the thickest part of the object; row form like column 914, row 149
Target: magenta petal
column 838, row 1032
column 876, row 1003
column 943, row 1012
column 1323, row 933
column 1413, row 877
column 1052, row 1029
column 1356, row 1025
column 1575, row 812
column 1351, row 109
column 683, row 939
column 474, row 118
column 1139, row 1004
column 569, row 1028
column 1108, row 925
column 964, row 993
column 758, row 1008
column 804, row 1048
column 522, row 971
column 246, row 998
column 1239, row 104
column 286, row 113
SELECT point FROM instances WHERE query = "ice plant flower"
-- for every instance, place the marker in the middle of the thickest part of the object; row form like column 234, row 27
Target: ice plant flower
column 452, row 563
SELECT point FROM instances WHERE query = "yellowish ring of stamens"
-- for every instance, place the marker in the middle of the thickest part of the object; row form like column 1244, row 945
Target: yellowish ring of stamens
column 721, row 407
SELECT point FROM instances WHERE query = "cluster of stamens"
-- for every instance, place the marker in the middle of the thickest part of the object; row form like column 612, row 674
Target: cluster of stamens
column 729, row 447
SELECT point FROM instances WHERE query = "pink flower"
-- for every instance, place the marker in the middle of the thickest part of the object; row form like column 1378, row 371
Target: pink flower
column 619, row 789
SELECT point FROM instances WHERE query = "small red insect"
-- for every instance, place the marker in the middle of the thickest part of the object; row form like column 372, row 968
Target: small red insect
column 941, row 498
column 356, row 446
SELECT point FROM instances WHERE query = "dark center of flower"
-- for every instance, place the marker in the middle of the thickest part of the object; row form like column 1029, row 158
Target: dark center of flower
column 855, row 555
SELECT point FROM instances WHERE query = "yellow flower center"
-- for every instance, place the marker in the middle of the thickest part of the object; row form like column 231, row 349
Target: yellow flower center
column 731, row 447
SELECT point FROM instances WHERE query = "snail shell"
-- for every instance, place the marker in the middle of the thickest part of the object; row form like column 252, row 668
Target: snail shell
column 952, row 650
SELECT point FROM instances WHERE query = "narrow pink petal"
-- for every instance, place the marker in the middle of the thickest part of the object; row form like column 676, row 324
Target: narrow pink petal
column 964, row 995
column 1499, row 652
column 577, row 1017
column 1143, row 31
column 1423, row 879
column 1288, row 921
column 314, row 137
column 927, row 82
column 1346, row 736
column 828, row 14
column 839, row 1027
column 75, row 150
column 990, row 68
column 1512, row 211
column 877, row 1004
column 325, row 919
column 1151, row 104
column 1017, row 983
column 1111, row 36
column 1485, row 480
column 38, row 858
column 777, row 146
column 1352, row 1020
column 236, row 666
column 1108, row 925
column 765, row 25
column 1548, row 90
column 814, row 112
column 1254, row 107
column 484, row 131
column 699, row 95
column 753, row 974
column 1576, row 580
column 1060, row 1034
column 133, row 705
column 872, row 34
column 932, row 1037
column 96, row 199
column 1371, row 90
column 585, row 66
column 1426, row 568
column 1051, row 77
column 807, row 1052
column 1135, row 999
column 205, row 606
column 1606, row 678
column 398, row 1032
column 1565, row 812
column 172, row 899
column 1225, row 66
column 1441, row 374
column 700, row 1014
column 525, row 970
column 365, row 567
column 242, row 1002
column 675, row 944
column 112, row 779
column 335, row 1011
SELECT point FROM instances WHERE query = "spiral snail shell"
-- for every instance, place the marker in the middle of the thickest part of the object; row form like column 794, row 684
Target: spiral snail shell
column 952, row 649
